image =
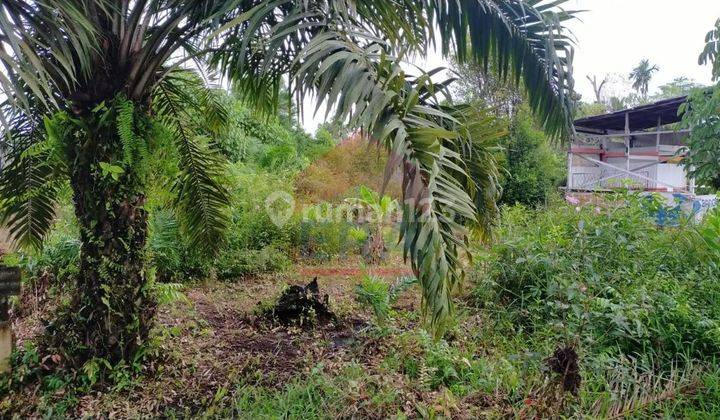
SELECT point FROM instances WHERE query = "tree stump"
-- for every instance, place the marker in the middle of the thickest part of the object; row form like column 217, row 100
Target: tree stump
column 301, row 305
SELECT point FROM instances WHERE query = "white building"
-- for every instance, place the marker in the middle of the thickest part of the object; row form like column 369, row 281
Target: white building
column 640, row 148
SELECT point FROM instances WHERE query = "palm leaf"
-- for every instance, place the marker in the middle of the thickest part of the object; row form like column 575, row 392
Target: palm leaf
column 368, row 87
column 46, row 48
column 203, row 202
column 525, row 39
column 30, row 183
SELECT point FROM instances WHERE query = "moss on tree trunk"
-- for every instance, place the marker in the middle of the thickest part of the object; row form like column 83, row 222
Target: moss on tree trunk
column 374, row 250
column 111, row 310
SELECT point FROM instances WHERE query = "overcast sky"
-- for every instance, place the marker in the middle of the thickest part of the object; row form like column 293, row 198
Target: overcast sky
column 614, row 35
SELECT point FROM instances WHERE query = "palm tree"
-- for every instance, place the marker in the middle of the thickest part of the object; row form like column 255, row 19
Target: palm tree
column 641, row 76
column 88, row 82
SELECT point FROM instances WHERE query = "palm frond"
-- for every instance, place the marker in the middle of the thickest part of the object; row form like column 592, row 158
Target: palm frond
column 479, row 147
column 201, row 198
column 256, row 47
column 45, row 48
column 524, row 39
column 30, row 183
column 368, row 87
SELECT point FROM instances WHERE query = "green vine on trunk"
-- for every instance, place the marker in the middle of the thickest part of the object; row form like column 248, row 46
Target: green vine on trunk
column 110, row 312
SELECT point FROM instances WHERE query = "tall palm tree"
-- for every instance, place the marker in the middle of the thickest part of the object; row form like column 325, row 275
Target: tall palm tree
column 88, row 82
column 641, row 76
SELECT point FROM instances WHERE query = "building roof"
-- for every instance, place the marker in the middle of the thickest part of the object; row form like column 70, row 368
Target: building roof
column 641, row 117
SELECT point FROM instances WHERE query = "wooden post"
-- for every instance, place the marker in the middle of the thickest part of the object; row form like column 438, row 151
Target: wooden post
column 9, row 286
column 627, row 141
column 570, row 183
column 657, row 150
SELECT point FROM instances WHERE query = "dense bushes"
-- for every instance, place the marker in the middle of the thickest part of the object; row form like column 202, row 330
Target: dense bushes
column 254, row 244
column 338, row 173
column 169, row 254
column 702, row 114
column 606, row 278
column 323, row 232
column 323, row 240
column 533, row 170
column 60, row 254
column 265, row 155
column 269, row 142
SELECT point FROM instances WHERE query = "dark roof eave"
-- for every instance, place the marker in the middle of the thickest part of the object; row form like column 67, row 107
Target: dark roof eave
column 641, row 117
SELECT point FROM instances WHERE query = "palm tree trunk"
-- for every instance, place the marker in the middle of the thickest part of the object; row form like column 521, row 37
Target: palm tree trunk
column 111, row 309
column 374, row 250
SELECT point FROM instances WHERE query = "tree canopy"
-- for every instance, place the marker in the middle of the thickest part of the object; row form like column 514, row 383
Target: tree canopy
column 641, row 76
column 73, row 56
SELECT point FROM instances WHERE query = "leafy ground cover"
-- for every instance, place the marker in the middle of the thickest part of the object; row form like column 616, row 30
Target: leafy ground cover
column 628, row 309
column 566, row 311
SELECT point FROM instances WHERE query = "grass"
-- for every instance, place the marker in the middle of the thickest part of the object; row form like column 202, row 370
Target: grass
column 216, row 362
column 213, row 357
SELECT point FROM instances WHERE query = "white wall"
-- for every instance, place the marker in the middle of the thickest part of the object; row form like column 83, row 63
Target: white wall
column 667, row 173
column 672, row 174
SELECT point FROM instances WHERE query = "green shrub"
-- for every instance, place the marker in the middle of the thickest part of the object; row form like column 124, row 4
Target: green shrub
column 269, row 142
column 257, row 231
column 169, row 253
column 165, row 245
column 607, row 277
column 254, row 244
column 702, row 113
column 435, row 364
column 324, row 241
column 251, row 226
column 359, row 234
column 533, row 169
column 283, row 156
column 234, row 263
column 375, row 293
column 60, row 254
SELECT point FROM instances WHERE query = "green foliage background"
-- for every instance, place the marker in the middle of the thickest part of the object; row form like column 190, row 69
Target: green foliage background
column 533, row 169
column 702, row 114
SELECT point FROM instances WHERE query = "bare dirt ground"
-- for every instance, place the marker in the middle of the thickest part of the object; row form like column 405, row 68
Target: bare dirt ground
column 216, row 339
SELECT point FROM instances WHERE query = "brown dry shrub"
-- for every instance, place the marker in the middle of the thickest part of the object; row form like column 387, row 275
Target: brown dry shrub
column 339, row 172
